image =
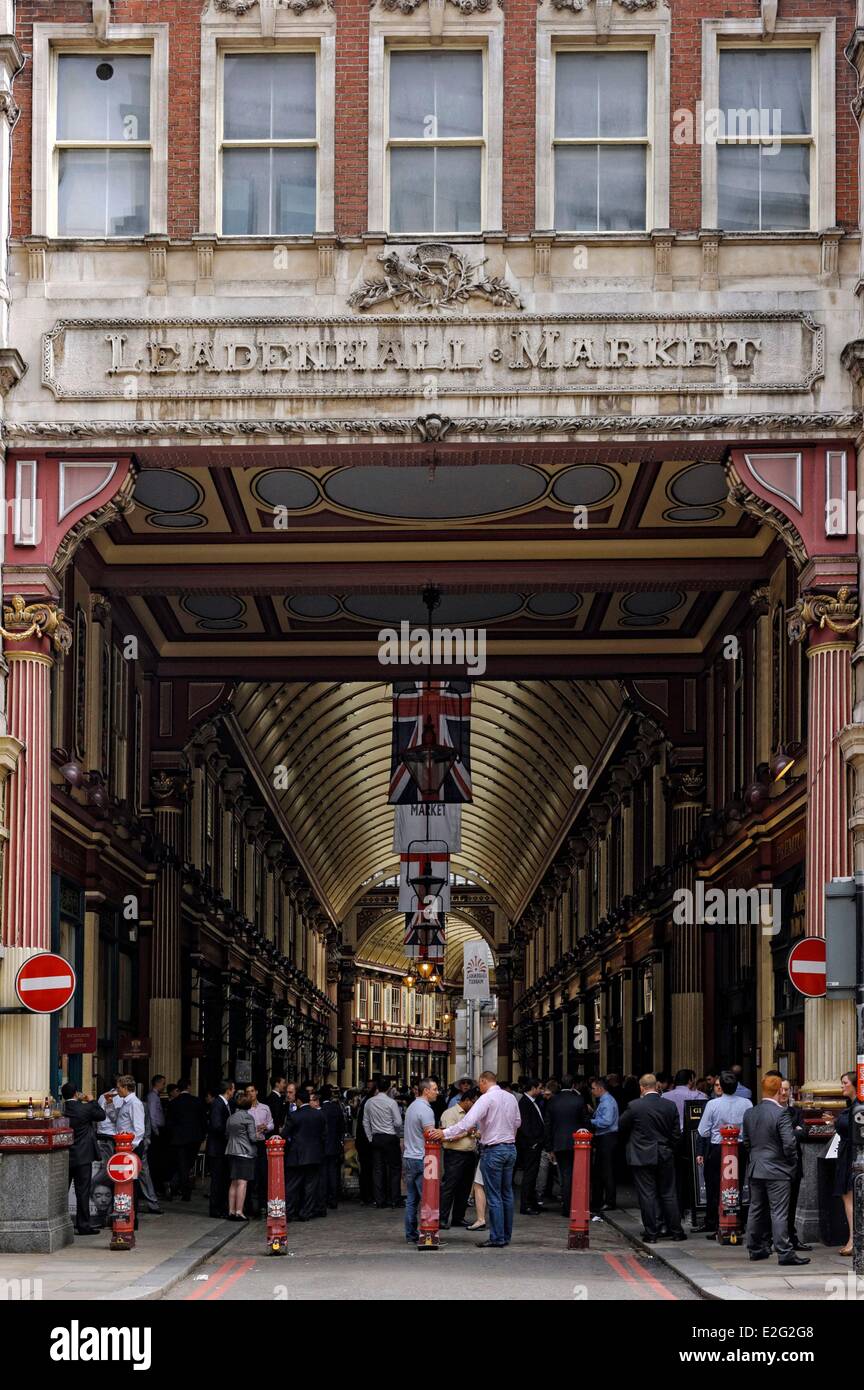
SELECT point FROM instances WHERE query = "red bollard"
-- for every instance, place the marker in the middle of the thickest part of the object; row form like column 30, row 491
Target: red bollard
column 729, row 1232
column 277, row 1224
column 430, row 1200
column 123, row 1168
column 577, row 1238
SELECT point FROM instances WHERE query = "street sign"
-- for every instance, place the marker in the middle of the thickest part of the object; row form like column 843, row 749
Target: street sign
column 74, row 1041
column 840, row 933
column 123, row 1167
column 807, row 966
column 45, row 983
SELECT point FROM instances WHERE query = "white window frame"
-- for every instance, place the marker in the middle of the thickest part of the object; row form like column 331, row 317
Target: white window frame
column 816, row 34
column 562, row 30
column 226, row 33
column 478, row 30
column 49, row 42
column 647, row 140
column 417, row 142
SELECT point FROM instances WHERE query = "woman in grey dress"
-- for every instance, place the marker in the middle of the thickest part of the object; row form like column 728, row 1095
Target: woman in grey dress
column 241, row 1149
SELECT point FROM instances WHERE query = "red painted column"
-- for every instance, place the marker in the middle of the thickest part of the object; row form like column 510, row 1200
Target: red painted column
column 826, row 623
column 277, row 1221
column 430, row 1199
column 32, row 634
column 729, row 1232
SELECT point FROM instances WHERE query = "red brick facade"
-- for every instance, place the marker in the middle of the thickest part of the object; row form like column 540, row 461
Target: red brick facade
column 351, row 114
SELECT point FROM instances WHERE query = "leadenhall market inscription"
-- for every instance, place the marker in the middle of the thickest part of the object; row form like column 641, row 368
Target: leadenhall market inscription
column 489, row 355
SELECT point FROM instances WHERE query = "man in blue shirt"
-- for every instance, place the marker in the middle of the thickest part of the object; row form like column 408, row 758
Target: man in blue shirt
column 605, row 1125
column 727, row 1109
column 418, row 1118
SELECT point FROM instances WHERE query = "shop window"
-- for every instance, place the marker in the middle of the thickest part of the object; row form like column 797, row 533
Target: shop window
column 362, row 999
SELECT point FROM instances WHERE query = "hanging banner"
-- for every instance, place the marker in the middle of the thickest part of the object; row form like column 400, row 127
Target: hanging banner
column 444, row 709
column 429, row 820
column 425, row 856
column 476, row 960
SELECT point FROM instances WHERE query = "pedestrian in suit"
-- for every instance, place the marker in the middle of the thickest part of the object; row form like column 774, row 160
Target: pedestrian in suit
column 217, row 1138
column 305, row 1129
column 529, row 1145
column 334, row 1134
column 276, row 1102
column 652, row 1133
column 83, row 1113
column 770, row 1135
column 565, row 1113
column 796, row 1115
column 187, row 1128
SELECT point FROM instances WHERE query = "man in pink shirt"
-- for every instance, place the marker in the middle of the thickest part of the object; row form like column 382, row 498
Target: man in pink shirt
column 496, row 1118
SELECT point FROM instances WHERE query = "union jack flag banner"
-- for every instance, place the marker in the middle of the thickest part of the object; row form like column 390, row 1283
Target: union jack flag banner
column 424, row 935
column 446, row 705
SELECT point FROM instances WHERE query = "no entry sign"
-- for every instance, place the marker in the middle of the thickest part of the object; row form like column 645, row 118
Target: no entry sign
column 45, row 983
column 807, row 966
column 123, row 1167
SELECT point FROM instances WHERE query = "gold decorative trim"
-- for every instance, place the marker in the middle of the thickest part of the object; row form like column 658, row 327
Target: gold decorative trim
column 43, row 620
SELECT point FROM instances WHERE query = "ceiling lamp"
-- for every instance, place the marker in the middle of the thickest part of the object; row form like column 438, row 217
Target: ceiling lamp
column 430, row 864
column 429, row 762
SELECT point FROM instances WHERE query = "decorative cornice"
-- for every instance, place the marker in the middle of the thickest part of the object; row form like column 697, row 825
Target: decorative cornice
column 12, row 366
column 765, row 511
column 433, row 276
column 42, row 620
column 834, row 611
column 828, row 421
column 120, row 503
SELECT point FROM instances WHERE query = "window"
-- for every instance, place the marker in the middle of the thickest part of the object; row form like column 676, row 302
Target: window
column 362, row 995
column 396, row 1006
column 375, row 1010
column 765, row 139
column 601, row 141
column 269, row 144
column 436, row 140
column 102, row 144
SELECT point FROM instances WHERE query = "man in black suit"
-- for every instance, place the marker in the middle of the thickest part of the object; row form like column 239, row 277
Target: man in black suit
column 304, row 1130
column 186, row 1124
column 565, row 1113
column 334, row 1133
column 652, row 1132
column 770, row 1135
column 276, row 1101
column 219, row 1166
column 83, row 1114
column 365, row 1160
column 529, row 1145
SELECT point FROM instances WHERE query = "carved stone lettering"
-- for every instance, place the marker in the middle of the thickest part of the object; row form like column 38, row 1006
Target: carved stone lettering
column 397, row 355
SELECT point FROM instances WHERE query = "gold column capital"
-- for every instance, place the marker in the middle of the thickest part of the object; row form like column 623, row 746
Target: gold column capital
column 22, row 620
column 833, row 611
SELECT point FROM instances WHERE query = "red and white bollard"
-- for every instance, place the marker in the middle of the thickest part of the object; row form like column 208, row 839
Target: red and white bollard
column 277, row 1222
column 729, row 1232
column 430, row 1200
column 123, row 1168
column 580, row 1190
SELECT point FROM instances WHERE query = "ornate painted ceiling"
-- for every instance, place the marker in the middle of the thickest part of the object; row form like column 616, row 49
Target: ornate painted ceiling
column 573, row 558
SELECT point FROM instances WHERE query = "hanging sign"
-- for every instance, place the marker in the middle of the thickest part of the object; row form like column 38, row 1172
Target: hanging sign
column 440, row 710
column 475, row 970
column 428, row 820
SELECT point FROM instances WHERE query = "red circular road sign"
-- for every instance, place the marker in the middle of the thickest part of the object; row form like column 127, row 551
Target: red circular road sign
column 123, row 1167
column 45, row 983
column 807, row 966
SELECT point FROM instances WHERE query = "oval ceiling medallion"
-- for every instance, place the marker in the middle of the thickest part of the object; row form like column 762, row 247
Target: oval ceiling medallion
column 163, row 490
column 215, row 612
column 428, row 495
column 554, row 605
column 586, row 485
column 647, row 609
column 177, row 521
column 312, row 606
column 285, row 487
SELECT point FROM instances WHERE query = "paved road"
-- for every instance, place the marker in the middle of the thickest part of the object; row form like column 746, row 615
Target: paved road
column 359, row 1253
